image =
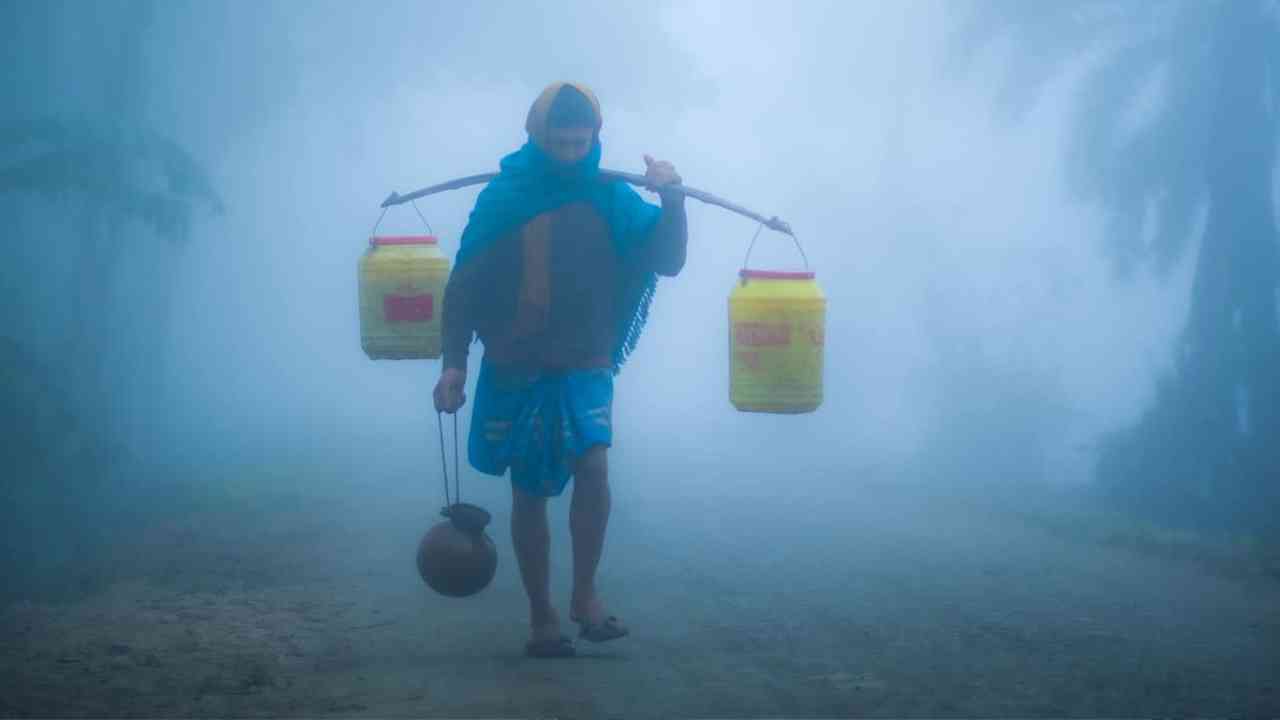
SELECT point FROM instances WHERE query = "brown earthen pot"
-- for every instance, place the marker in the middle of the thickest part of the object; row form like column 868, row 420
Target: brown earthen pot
column 456, row 557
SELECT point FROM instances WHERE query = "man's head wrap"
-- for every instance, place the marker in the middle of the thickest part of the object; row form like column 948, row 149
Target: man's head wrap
column 563, row 105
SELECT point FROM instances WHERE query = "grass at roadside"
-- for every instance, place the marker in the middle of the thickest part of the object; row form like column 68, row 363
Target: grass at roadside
column 1080, row 515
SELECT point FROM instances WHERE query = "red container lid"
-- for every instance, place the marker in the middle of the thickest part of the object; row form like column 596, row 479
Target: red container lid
column 774, row 275
column 379, row 240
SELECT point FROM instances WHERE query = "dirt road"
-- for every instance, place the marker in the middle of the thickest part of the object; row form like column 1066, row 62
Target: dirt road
column 902, row 604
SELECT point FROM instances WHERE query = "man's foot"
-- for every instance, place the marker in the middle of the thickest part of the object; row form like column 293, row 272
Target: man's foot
column 547, row 640
column 610, row 628
column 557, row 647
column 596, row 624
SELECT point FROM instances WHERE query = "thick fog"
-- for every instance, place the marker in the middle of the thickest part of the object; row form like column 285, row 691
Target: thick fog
column 979, row 333
column 960, row 276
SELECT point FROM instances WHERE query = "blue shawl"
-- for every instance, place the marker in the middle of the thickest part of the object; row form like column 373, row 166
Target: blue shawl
column 530, row 183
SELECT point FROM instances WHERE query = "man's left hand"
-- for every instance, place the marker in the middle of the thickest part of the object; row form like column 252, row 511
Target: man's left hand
column 660, row 174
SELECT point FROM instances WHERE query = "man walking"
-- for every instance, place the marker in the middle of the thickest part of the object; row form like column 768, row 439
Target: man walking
column 555, row 273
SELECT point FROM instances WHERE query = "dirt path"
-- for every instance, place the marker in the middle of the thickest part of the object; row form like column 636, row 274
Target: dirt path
column 905, row 606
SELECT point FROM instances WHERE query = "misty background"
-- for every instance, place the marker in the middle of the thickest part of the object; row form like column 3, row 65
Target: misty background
column 188, row 187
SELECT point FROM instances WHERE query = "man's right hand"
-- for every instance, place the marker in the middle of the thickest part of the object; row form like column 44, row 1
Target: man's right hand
column 449, row 395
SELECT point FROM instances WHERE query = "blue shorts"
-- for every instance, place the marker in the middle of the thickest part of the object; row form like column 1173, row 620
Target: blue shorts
column 538, row 423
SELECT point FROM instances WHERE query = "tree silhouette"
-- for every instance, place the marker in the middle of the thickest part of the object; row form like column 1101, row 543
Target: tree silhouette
column 130, row 174
column 1176, row 123
column 84, row 142
column 116, row 177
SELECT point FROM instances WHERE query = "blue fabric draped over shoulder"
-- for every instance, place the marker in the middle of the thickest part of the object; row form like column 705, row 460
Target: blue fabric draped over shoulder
column 530, row 183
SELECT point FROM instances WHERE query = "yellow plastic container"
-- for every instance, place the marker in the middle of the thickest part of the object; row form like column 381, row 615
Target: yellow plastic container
column 402, row 280
column 777, row 327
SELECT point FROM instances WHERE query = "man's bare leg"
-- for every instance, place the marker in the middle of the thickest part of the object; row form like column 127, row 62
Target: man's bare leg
column 531, row 537
column 588, row 519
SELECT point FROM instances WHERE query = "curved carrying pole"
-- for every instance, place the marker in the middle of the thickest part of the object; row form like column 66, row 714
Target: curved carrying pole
column 772, row 223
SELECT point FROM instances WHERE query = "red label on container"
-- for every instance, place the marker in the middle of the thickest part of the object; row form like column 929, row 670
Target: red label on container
column 407, row 308
column 753, row 334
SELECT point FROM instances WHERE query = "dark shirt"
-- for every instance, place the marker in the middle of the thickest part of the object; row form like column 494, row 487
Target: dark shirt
column 547, row 295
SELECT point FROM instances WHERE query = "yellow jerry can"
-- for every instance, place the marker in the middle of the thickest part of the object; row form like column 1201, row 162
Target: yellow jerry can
column 777, row 326
column 402, row 280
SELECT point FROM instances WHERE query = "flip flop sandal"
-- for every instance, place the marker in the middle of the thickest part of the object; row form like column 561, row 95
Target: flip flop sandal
column 558, row 648
column 610, row 629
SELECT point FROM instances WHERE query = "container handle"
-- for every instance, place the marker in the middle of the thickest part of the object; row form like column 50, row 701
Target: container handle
column 746, row 260
column 414, row 203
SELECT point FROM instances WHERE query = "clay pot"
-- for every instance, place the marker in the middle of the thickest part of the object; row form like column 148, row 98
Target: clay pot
column 457, row 557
